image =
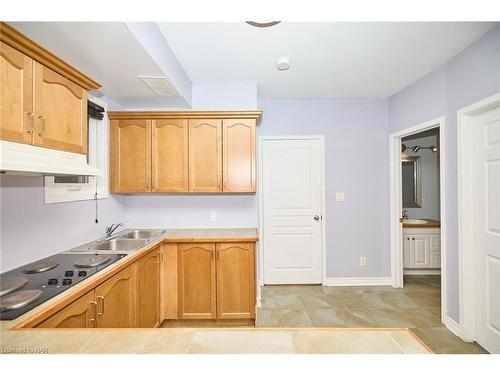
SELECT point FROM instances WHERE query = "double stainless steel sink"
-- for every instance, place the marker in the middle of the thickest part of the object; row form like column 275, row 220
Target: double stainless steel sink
column 127, row 240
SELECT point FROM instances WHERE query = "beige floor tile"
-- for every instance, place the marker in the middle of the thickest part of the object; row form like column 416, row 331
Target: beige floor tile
column 282, row 318
column 340, row 318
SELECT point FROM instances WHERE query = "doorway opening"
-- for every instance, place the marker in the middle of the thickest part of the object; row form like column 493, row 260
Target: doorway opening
column 418, row 247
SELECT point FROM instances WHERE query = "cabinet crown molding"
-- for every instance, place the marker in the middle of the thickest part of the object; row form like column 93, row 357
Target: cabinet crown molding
column 156, row 115
column 23, row 44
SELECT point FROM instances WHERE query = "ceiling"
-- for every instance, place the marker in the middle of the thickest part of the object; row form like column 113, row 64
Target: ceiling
column 327, row 59
column 108, row 53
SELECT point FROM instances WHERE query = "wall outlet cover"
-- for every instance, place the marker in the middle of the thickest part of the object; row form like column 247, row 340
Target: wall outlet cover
column 362, row 261
column 340, row 197
column 213, row 215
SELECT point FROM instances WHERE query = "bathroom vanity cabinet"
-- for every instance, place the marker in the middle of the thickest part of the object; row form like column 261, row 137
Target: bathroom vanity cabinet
column 422, row 248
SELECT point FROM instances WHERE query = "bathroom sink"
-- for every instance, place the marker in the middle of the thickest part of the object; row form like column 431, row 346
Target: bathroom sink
column 119, row 245
column 415, row 221
column 141, row 234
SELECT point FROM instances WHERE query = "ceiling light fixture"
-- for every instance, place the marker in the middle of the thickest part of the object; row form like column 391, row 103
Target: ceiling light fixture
column 263, row 24
column 283, row 64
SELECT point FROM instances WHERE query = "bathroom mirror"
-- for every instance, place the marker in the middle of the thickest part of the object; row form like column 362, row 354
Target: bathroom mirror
column 412, row 187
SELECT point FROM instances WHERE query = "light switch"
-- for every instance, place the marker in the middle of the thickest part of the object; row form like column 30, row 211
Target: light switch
column 340, row 197
column 213, row 215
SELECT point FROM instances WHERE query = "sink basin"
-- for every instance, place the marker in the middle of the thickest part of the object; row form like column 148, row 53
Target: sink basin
column 119, row 245
column 141, row 234
column 415, row 221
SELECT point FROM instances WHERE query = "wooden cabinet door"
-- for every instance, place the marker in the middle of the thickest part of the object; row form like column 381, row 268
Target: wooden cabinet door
column 238, row 137
column 116, row 301
column 205, row 156
column 197, row 296
column 148, row 289
column 130, row 156
column 170, row 156
column 235, row 281
column 78, row 314
column 16, row 95
column 407, row 252
column 60, row 112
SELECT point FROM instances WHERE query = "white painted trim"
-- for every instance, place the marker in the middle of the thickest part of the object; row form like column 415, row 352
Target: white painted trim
column 321, row 138
column 422, row 272
column 357, row 281
column 452, row 325
column 466, row 220
column 396, row 204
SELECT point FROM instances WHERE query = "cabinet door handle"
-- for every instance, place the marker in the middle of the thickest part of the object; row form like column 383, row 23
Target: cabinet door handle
column 31, row 130
column 42, row 131
column 93, row 318
column 101, row 300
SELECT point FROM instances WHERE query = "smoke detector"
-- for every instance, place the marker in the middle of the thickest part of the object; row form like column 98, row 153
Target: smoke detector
column 283, row 64
column 161, row 86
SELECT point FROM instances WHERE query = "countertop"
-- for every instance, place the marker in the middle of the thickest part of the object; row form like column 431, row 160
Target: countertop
column 429, row 224
column 171, row 235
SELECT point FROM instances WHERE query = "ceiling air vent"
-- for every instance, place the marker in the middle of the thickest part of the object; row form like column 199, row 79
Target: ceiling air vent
column 161, row 86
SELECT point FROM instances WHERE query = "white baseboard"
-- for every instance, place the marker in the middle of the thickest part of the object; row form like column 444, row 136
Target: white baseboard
column 453, row 326
column 421, row 272
column 356, row 281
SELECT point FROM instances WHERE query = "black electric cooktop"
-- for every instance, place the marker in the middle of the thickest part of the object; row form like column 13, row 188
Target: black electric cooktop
column 26, row 287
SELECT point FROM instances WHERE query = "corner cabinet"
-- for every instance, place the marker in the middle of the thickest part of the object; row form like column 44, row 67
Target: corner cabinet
column 43, row 99
column 183, row 152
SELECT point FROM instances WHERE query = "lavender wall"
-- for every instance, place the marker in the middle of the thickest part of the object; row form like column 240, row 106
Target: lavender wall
column 472, row 75
column 353, row 129
column 31, row 229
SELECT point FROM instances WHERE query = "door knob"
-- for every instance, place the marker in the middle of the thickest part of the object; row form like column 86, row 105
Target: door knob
column 316, row 217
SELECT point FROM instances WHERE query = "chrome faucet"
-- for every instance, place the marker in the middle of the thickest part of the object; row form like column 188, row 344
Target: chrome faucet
column 111, row 229
column 405, row 215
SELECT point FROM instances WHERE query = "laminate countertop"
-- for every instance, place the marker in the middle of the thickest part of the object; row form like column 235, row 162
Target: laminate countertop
column 171, row 235
column 429, row 224
column 211, row 235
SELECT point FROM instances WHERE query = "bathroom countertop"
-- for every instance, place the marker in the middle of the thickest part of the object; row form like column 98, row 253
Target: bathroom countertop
column 429, row 224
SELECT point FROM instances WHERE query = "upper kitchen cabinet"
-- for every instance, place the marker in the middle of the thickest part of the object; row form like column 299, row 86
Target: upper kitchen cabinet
column 16, row 95
column 169, row 160
column 130, row 148
column 196, row 152
column 205, row 156
column 238, row 156
column 43, row 99
column 60, row 112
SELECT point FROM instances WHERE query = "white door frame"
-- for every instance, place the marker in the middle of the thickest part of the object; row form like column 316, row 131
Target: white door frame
column 260, row 195
column 466, row 216
column 396, row 205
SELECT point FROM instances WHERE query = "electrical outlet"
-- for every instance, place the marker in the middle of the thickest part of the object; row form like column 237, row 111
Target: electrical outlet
column 213, row 215
column 362, row 261
column 339, row 196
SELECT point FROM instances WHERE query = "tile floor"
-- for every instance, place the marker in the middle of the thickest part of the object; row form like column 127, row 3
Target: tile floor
column 416, row 306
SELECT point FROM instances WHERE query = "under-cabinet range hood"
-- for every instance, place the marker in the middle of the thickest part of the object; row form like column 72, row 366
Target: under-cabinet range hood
column 27, row 160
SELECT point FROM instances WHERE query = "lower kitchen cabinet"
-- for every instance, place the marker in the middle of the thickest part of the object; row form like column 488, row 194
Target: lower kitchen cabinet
column 216, row 280
column 148, row 289
column 197, row 281
column 116, row 306
column 128, row 299
column 235, row 281
column 78, row 314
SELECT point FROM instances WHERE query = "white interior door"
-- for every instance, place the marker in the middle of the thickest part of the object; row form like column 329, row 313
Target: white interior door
column 487, row 219
column 291, row 193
